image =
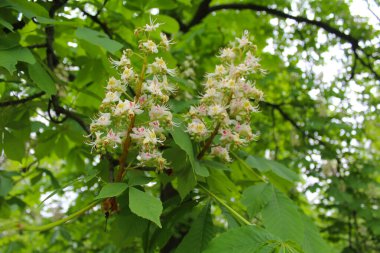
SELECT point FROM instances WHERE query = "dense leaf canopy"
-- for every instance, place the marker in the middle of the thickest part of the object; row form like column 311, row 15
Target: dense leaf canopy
column 309, row 183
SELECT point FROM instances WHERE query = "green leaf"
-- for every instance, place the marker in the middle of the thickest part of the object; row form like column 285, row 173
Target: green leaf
column 126, row 226
column 161, row 4
column 185, row 182
column 29, row 9
column 199, row 235
column 169, row 24
column 10, row 57
column 6, row 185
column 137, row 178
column 41, row 78
column 256, row 197
column 265, row 165
column 313, row 242
column 211, row 164
column 182, row 139
column 14, row 147
column 98, row 38
column 112, row 190
column 249, row 239
column 6, row 24
column 281, row 217
column 145, row 205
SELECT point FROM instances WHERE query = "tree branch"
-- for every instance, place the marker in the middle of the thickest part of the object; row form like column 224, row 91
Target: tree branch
column 295, row 124
column 58, row 109
column 204, row 10
column 95, row 19
column 21, row 101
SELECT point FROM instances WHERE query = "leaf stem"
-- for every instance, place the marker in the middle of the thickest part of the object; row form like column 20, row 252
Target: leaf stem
column 58, row 222
column 230, row 209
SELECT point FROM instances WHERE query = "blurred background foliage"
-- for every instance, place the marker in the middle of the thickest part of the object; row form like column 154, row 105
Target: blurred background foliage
column 319, row 120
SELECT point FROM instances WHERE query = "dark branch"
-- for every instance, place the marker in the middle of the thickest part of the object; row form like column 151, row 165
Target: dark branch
column 52, row 59
column 21, row 101
column 204, row 10
column 38, row 46
column 58, row 109
column 16, row 26
column 366, row 64
column 95, row 19
column 288, row 118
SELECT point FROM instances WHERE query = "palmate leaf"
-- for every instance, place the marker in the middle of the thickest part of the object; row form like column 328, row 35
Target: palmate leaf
column 281, row 217
column 250, row 239
column 112, row 190
column 145, row 205
column 256, row 197
column 266, row 166
column 200, row 234
column 313, row 242
column 98, row 38
column 41, row 78
column 10, row 57
column 182, row 139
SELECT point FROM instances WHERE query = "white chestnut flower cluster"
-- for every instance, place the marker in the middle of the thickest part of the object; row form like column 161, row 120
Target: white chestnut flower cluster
column 222, row 118
column 133, row 114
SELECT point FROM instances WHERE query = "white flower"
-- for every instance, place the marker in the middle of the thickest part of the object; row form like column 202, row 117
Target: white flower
column 244, row 130
column 220, row 70
column 197, row 128
column 229, row 83
column 152, row 158
column 159, row 66
column 127, row 74
column 251, row 60
column 161, row 113
column 244, row 41
column 198, row 111
column 104, row 119
column 211, row 94
column 227, row 53
column 127, row 107
column 124, row 61
column 115, row 85
column 221, row 152
column 97, row 143
column 138, row 133
column 152, row 26
column 189, row 72
column 216, row 110
column 166, row 86
column 150, row 46
column 156, row 126
column 165, row 42
column 111, row 97
column 112, row 138
column 150, row 138
column 210, row 83
column 154, row 87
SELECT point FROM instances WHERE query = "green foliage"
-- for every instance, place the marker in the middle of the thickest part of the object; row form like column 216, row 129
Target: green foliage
column 145, row 205
column 250, row 239
column 112, row 190
column 200, row 233
column 310, row 183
